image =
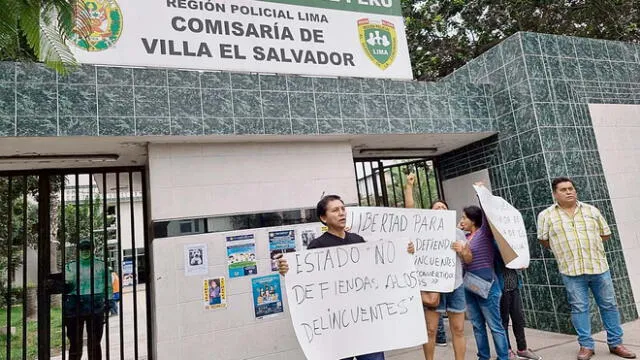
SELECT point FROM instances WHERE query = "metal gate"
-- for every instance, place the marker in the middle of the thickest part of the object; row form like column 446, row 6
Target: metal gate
column 74, row 259
column 381, row 182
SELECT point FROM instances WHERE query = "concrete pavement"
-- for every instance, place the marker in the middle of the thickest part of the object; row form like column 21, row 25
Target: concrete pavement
column 550, row 346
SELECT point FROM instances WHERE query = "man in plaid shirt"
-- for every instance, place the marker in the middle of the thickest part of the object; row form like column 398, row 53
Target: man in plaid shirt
column 575, row 232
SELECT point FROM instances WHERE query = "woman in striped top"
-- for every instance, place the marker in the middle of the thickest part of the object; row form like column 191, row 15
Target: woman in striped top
column 482, row 311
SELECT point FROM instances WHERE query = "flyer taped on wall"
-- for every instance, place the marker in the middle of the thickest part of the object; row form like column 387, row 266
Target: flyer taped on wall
column 267, row 296
column 280, row 242
column 241, row 255
column 195, row 260
column 214, row 293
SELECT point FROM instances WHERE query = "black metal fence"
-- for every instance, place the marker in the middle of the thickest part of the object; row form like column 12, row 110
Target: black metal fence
column 382, row 182
column 72, row 246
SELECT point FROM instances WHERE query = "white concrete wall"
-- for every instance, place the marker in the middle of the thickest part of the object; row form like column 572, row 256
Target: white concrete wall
column 191, row 180
column 125, row 224
column 617, row 129
column 459, row 193
column 204, row 180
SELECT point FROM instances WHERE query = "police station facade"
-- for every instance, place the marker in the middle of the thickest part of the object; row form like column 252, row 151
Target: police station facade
column 219, row 144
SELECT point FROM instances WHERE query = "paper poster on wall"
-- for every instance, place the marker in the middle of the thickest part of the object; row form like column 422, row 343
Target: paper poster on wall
column 214, row 293
column 241, row 255
column 195, row 260
column 280, row 242
column 508, row 228
column 307, row 235
column 432, row 231
column 267, row 296
column 354, row 299
column 127, row 273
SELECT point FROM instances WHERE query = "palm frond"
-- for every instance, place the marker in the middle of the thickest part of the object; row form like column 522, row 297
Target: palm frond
column 54, row 51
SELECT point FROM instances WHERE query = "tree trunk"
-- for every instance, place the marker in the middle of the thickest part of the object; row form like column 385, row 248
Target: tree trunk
column 56, row 300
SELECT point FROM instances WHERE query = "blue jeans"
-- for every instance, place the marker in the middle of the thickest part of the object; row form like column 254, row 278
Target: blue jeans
column 578, row 293
column 373, row 356
column 484, row 312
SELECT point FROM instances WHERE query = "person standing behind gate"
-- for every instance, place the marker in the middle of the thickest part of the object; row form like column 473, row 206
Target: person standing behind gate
column 115, row 285
column 575, row 231
column 332, row 213
column 81, row 306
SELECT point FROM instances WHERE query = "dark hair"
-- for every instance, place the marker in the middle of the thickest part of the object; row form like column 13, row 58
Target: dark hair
column 84, row 244
column 321, row 208
column 555, row 182
column 474, row 214
column 439, row 201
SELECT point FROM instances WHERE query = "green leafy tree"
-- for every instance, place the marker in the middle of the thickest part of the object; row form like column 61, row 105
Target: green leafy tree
column 444, row 35
column 38, row 30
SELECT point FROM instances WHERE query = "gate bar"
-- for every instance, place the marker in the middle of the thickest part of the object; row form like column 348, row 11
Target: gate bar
column 419, row 186
column 135, row 272
column 9, row 262
column 355, row 169
column 105, row 258
column 77, row 251
column 147, row 261
column 366, row 187
column 383, row 185
column 393, row 187
column 24, row 268
column 63, row 241
column 44, row 267
column 119, row 246
column 92, row 267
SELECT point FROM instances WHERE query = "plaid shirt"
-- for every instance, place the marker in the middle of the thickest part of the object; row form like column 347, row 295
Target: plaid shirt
column 575, row 241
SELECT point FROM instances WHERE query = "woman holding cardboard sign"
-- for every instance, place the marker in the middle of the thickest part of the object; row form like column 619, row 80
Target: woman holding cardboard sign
column 482, row 290
column 452, row 303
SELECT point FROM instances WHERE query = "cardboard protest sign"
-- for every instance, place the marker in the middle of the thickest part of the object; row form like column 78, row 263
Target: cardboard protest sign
column 354, row 299
column 432, row 231
column 508, row 228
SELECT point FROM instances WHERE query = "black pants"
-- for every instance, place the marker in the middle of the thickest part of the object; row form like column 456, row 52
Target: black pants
column 511, row 306
column 95, row 326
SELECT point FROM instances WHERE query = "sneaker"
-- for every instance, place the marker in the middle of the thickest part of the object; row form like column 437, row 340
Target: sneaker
column 528, row 355
column 441, row 343
column 512, row 355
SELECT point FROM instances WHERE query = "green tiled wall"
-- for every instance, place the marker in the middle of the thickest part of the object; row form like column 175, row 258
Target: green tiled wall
column 538, row 88
column 532, row 89
column 103, row 101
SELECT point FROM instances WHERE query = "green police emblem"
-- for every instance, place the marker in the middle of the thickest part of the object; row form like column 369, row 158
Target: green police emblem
column 379, row 41
column 98, row 24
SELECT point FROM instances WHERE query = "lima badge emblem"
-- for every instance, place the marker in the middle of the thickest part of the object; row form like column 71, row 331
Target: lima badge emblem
column 379, row 41
column 100, row 25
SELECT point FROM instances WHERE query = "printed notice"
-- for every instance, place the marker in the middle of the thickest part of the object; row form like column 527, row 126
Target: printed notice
column 280, row 242
column 214, row 293
column 195, row 260
column 267, row 296
column 241, row 255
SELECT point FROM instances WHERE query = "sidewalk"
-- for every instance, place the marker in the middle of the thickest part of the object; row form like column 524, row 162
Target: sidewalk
column 550, row 346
